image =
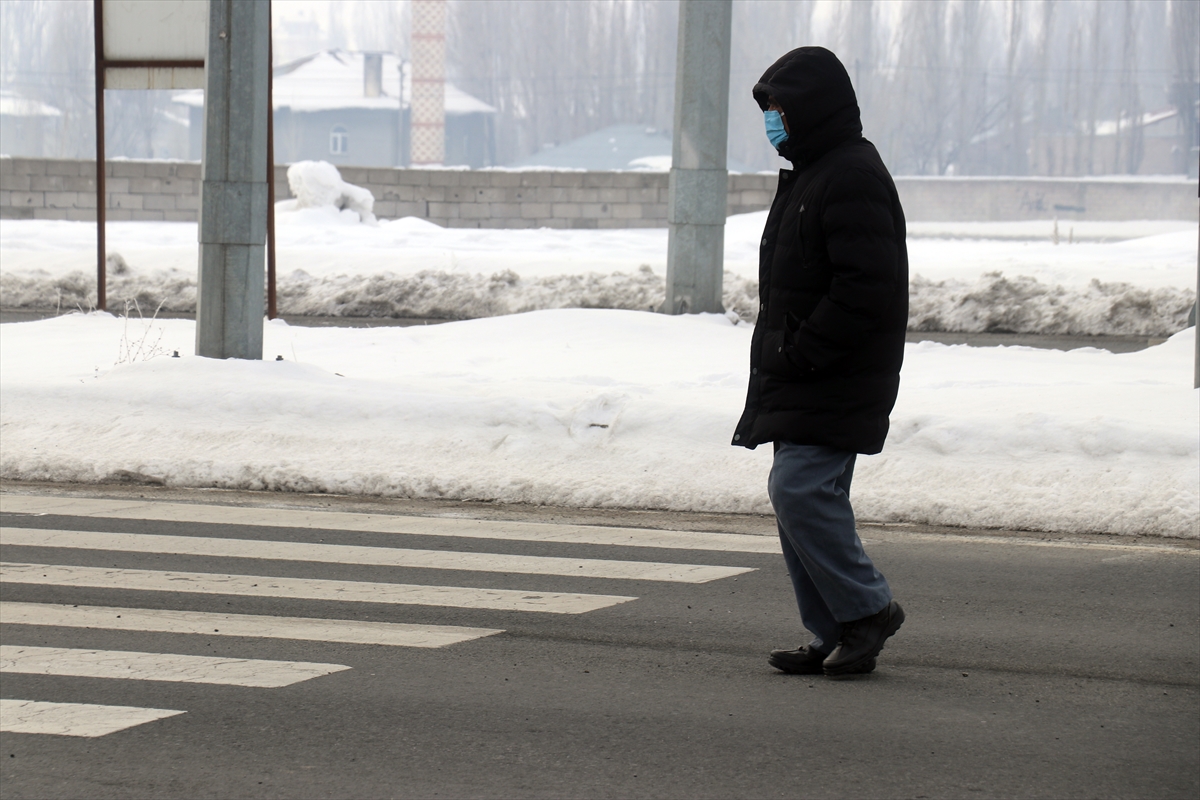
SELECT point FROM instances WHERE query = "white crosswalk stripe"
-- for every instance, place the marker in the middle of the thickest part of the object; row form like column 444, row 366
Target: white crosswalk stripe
column 386, row 523
column 74, row 719
column 376, row 556
column 158, row 666
column 152, row 580
column 344, row 631
column 21, row 715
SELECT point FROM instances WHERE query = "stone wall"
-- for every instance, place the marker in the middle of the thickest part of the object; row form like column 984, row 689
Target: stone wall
column 497, row 199
column 1011, row 199
column 32, row 188
column 159, row 190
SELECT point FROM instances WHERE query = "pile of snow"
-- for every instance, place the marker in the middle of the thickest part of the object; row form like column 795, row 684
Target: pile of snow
column 318, row 185
column 331, row 264
column 595, row 408
column 441, row 295
column 995, row 303
column 650, row 164
column 428, row 294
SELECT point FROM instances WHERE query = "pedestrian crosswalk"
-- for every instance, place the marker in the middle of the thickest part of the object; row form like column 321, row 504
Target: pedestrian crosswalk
column 158, row 666
column 75, row 719
column 263, row 555
column 205, row 623
column 386, row 523
column 153, row 580
column 378, row 556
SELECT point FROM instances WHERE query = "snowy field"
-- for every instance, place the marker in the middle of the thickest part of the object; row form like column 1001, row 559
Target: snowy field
column 331, row 264
column 594, row 408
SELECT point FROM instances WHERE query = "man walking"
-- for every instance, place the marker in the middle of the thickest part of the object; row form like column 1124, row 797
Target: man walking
column 826, row 353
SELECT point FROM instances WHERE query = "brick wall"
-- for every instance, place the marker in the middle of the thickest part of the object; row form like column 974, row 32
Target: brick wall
column 495, row 199
column 157, row 190
column 34, row 188
column 1011, row 199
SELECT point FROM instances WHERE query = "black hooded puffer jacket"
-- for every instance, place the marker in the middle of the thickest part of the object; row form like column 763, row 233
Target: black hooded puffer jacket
column 833, row 273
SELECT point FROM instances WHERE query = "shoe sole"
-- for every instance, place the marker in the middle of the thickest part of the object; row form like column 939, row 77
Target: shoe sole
column 869, row 666
column 857, row 667
column 783, row 666
column 865, row 669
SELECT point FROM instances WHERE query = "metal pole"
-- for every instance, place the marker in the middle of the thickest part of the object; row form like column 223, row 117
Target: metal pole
column 272, row 311
column 698, row 182
column 1196, row 318
column 233, row 193
column 101, row 197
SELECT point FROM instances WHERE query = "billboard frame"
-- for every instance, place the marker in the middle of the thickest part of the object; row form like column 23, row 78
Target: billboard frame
column 103, row 64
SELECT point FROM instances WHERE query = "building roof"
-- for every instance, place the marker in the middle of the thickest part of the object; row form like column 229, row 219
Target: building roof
column 615, row 148
column 333, row 79
column 1111, row 127
column 611, row 148
column 14, row 105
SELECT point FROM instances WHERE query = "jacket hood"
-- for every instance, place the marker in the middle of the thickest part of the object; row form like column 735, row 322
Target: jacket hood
column 814, row 91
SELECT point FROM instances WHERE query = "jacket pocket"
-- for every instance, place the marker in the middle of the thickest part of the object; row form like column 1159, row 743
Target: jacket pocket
column 780, row 359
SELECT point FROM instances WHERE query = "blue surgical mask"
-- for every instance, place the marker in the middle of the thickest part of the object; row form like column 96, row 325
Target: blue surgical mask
column 775, row 130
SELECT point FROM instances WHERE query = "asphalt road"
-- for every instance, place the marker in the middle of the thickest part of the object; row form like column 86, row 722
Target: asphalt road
column 1028, row 667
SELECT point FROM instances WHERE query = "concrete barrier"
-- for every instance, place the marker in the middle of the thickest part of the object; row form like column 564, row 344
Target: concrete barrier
column 32, row 188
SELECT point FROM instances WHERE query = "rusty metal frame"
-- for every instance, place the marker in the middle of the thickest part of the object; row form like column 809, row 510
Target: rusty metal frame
column 101, row 196
column 117, row 63
column 102, row 67
column 272, row 311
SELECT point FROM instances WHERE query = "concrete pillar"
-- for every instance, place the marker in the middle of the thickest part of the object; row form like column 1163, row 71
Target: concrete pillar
column 233, row 189
column 698, row 181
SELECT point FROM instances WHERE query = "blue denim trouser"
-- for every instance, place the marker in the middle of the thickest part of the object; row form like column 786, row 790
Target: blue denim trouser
column 835, row 582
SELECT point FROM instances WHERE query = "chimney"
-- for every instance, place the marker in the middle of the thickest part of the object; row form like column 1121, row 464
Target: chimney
column 372, row 74
column 428, row 49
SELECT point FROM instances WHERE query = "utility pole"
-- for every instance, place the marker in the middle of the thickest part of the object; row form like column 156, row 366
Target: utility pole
column 233, row 191
column 698, row 181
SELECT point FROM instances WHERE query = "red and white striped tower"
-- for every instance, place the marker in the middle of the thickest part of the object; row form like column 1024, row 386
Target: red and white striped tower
column 428, row 81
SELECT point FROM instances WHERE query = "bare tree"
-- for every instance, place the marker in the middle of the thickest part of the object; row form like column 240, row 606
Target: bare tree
column 763, row 30
column 919, row 98
column 1128, row 147
column 977, row 86
column 1044, row 158
column 1185, row 84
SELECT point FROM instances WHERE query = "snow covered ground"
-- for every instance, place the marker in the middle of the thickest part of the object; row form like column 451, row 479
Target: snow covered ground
column 332, row 264
column 594, row 408
column 607, row 406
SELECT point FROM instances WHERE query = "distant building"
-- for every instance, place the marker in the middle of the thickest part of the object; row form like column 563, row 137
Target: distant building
column 1155, row 143
column 612, row 149
column 28, row 128
column 352, row 109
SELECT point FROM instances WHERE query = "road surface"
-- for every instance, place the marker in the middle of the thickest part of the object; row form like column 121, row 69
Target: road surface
column 171, row 644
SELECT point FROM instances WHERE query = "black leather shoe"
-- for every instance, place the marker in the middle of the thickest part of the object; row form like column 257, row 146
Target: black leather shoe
column 862, row 640
column 803, row 661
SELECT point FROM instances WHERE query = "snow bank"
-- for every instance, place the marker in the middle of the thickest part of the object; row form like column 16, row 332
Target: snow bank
column 650, row 164
column 595, row 408
column 995, row 303
column 319, row 185
column 331, row 264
